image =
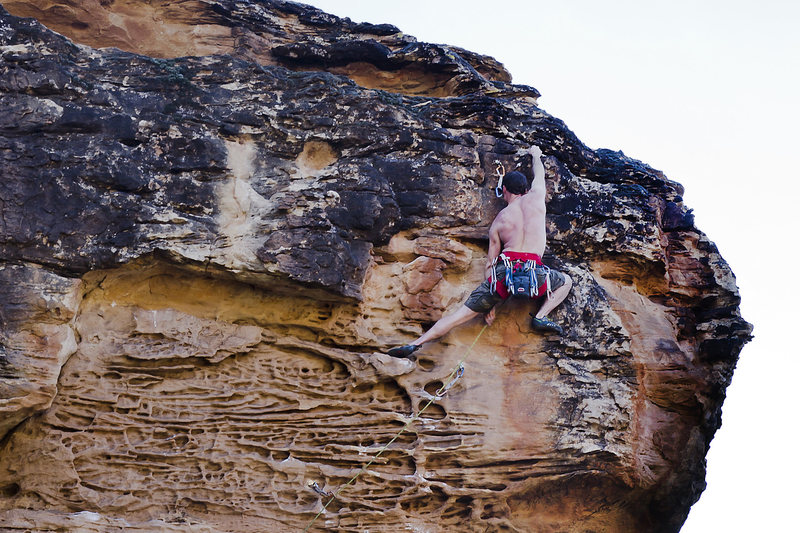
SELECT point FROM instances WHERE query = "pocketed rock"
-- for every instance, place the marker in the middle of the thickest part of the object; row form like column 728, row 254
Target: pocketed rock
column 217, row 215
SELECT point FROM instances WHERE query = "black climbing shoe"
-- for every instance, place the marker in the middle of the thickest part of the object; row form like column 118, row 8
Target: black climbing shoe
column 404, row 352
column 545, row 326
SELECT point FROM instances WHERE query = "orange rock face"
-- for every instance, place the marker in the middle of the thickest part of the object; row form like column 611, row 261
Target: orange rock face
column 204, row 258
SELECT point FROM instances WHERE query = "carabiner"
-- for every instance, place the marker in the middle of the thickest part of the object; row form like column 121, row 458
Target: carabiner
column 500, row 170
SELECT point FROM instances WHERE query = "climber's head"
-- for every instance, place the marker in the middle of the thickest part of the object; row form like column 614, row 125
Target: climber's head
column 515, row 182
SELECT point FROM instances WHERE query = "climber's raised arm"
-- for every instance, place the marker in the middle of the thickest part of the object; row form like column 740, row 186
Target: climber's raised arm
column 537, row 185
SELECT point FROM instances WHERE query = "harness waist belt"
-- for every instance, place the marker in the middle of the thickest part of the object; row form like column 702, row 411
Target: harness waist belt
column 522, row 256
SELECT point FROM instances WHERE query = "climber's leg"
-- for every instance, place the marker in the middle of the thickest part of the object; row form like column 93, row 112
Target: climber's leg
column 440, row 328
column 558, row 295
column 482, row 300
column 446, row 323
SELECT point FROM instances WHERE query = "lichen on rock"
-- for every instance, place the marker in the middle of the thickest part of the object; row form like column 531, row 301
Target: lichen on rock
column 209, row 238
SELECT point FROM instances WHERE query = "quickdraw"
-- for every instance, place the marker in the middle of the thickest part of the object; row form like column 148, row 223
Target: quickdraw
column 442, row 391
column 316, row 488
column 500, row 170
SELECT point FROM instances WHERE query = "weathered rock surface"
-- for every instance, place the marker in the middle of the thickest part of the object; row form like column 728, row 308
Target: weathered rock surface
column 202, row 258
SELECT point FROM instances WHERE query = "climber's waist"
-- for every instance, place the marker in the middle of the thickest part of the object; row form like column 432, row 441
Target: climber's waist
column 521, row 256
column 519, row 274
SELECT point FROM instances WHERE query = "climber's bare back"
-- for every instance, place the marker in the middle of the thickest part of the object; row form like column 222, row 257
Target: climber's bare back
column 520, row 225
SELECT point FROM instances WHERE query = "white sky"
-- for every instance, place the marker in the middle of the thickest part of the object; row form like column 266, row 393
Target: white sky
column 706, row 91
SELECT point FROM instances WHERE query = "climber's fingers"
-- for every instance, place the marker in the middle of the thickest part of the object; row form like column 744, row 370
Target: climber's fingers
column 489, row 317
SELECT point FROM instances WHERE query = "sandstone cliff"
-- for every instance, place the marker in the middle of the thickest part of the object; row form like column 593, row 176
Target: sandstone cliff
column 216, row 215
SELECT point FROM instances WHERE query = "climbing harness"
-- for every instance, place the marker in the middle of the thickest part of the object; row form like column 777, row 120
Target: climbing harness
column 520, row 276
column 451, row 379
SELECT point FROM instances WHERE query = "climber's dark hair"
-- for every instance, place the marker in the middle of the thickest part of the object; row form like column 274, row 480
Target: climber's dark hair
column 515, row 182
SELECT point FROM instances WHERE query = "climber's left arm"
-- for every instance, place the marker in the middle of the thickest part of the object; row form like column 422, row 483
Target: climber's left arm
column 495, row 246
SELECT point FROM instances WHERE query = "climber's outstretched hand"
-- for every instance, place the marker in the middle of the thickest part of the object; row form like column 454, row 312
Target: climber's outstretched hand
column 489, row 317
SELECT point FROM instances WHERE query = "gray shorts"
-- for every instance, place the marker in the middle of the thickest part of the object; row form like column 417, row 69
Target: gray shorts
column 484, row 298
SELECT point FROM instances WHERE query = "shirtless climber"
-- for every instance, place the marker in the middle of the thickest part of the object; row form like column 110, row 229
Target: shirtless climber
column 519, row 231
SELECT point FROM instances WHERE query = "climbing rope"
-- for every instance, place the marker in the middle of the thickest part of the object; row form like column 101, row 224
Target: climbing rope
column 454, row 376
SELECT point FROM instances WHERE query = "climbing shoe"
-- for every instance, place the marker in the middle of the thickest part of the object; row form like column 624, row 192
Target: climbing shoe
column 404, row 352
column 545, row 326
